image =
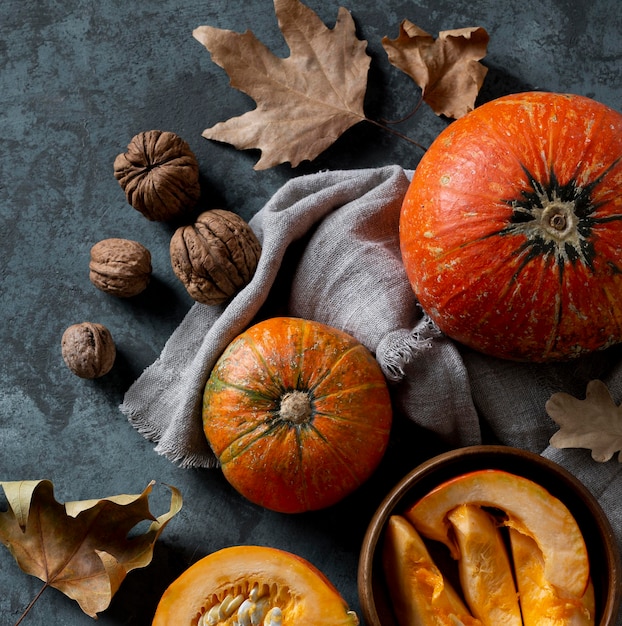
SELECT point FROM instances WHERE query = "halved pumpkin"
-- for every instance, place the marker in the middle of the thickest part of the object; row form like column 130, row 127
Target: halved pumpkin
column 248, row 585
column 541, row 603
column 484, row 566
column 529, row 507
column 420, row 594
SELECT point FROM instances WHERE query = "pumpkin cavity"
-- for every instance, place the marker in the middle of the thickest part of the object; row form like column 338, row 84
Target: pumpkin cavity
column 246, row 604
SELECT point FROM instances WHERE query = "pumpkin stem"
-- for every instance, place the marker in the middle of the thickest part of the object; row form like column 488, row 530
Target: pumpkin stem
column 559, row 219
column 296, row 407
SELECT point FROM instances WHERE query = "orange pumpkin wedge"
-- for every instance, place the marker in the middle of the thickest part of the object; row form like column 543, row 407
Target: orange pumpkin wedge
column 484, row 566
column 541, row 603
column 530, row 508
column 420, row 594
column 244, row 585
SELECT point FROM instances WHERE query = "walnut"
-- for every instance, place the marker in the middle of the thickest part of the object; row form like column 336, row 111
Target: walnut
column 88, row 349
column 120, row 267
column 215, row 257
column 159, row 174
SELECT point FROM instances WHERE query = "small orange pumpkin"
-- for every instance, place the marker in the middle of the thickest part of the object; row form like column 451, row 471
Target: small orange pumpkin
column 252, row 585
column 298, row 414
column 511, row 230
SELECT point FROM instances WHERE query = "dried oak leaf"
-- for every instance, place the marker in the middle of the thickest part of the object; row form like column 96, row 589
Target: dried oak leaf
column 594, row 423
column 305, row 101
column 83, row 549
column 447, row 69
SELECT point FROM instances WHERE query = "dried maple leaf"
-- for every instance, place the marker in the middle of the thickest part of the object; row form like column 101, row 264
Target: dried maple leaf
column 594, row 423
column 447, row 69
column 80, row 548
column 304, row 102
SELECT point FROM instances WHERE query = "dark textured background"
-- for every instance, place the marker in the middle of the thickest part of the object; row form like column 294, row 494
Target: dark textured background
column 77, row 80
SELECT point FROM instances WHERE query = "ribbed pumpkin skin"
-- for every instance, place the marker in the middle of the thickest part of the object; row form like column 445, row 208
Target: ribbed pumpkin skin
column 294, row 467
column 511, row 230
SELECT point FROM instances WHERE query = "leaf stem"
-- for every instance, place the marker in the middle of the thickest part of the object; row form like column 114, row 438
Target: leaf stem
column 407, row 117
column 384, row 126
column 32, row 603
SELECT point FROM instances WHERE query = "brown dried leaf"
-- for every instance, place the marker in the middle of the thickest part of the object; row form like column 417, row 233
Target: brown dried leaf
column 446, row 69
column 80, row 548
column 304, row 102
column 594, row 423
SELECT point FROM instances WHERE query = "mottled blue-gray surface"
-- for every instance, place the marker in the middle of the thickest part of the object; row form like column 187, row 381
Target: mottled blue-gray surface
column 77, row 80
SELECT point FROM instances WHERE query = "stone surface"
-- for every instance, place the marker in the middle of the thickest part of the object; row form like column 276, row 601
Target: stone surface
column 78, row 79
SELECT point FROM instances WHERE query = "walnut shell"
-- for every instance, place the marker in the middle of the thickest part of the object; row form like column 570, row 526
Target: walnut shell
column 159, row 174
column 215, row 257
column 88, row 349
column 120, row 267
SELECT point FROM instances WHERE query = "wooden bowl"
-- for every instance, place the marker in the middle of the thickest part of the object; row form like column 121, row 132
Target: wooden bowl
column 604, row 553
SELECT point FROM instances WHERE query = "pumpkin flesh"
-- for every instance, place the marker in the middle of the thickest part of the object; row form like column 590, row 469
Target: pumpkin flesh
column 293, row 462
column 542, row 604
column 485, row 570
column 420, row 594
column 511, row 229
column 528, row 507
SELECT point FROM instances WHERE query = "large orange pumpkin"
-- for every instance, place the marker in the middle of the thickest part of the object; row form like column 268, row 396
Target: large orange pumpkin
column 511, row 230
column 298, row 414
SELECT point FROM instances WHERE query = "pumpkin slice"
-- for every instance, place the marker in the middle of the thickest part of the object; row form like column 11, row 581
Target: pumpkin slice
column 541, row 603
column 530, row 508
column 248, row 585
column 485, row 571
column 420, row 594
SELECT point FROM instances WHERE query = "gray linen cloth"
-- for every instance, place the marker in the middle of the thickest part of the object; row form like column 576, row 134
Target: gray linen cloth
column 330, row 252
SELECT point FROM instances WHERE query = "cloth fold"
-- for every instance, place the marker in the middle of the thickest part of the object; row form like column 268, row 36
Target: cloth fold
column 349, row 275
column 330, row 252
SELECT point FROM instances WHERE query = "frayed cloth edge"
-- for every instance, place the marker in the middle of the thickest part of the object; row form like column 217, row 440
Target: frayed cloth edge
column 400, row 348
column 188, row 460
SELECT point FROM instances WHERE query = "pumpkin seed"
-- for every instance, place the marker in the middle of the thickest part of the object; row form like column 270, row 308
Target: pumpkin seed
column 274, row 617
column 252, row 611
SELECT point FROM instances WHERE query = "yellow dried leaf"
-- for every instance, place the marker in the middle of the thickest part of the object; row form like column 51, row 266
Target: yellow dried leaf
column 305, row 101
column 80, row 548
column 447, row 69
column 594, row 423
